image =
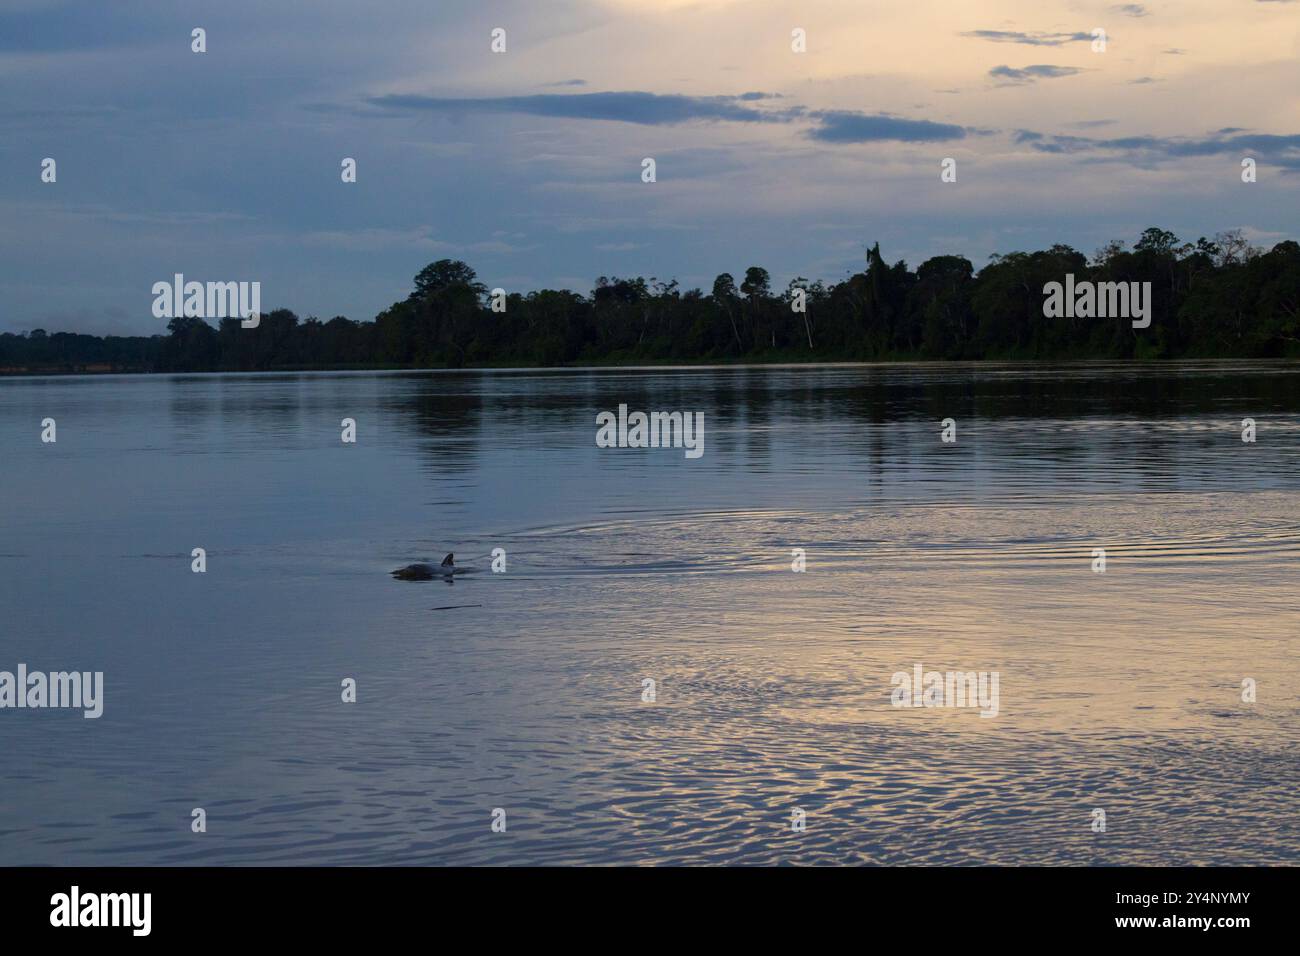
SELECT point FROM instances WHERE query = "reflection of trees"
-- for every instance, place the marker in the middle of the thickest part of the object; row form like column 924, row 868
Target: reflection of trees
column 445, row 410
column 1081, row 422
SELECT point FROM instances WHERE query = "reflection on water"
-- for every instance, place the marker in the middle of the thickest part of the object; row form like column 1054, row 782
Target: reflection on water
column 1119, row 691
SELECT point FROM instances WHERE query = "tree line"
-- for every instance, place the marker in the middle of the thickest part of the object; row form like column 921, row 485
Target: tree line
column 1213, row 298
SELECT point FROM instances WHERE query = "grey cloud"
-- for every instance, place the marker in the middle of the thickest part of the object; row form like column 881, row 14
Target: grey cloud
column 1283, row 151
column 847, row 127
column 654, row 109
column 648, row 109
column 1029, row 74
column 1028, row 39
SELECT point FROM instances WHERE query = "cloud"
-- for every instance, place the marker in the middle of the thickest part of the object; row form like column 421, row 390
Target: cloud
column 148, row 163
column 1030, row 74
column 1280, row 150
column 848, row 127
column 655, row 109
column 1131, row 9
column 647, row 109
column 1028, row 39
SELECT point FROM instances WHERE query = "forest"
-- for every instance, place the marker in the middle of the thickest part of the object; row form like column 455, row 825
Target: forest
column 1213, row 298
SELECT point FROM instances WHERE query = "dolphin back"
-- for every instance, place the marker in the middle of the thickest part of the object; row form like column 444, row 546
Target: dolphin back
column 414, row 572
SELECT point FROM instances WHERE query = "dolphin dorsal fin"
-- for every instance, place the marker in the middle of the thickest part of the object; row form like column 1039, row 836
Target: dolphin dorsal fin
column 447, row 562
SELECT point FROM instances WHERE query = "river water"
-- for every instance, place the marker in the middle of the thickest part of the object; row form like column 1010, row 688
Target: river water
column 522, row 691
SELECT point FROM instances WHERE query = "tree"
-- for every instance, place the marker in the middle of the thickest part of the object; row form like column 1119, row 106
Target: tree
column 799, row 283
column 1234, row 248
column 1212, row 298
column 1160, row 241
column 724, row 287
column 724, row 294
column 941, row 304
column 757, row 287
column 757, row 284
column 445, row 274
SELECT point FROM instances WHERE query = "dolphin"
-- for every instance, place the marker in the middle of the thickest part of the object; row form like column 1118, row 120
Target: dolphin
column 426, row 572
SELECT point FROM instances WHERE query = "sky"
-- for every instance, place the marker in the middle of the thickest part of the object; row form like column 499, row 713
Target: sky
column 226, row 165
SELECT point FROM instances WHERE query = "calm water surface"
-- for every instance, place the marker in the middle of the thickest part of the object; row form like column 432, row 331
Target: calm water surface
column 1119, row 691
